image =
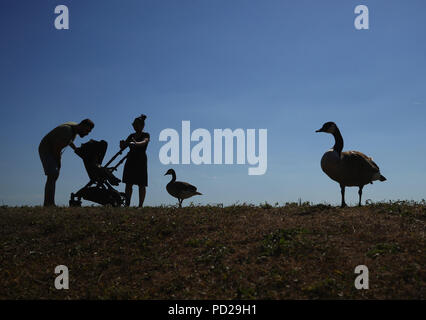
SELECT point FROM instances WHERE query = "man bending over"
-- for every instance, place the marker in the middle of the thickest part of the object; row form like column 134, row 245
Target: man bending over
column 51, row 148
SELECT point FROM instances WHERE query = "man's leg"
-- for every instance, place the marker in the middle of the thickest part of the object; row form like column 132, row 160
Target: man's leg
column 51, row 167
column 49, row 190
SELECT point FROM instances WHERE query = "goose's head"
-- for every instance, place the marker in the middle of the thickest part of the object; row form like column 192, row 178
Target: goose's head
column 329, row 127
column 170, row 171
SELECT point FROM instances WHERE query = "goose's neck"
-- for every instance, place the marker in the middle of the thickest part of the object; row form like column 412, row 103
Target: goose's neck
column 173, row 177
column 338, row 141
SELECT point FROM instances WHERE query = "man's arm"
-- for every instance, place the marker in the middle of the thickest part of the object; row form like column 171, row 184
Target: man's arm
column 76, row 149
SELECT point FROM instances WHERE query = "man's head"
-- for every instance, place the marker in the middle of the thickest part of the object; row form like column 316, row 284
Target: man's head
column 84, row 127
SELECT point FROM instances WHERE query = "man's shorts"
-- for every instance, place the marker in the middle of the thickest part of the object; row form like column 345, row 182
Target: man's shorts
column 50, row 165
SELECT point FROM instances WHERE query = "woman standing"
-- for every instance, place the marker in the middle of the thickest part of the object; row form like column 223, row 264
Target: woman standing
column 135, row 170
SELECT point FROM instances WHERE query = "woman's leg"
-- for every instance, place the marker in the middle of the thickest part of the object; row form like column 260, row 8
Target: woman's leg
column 129, row 189
column 142, row 193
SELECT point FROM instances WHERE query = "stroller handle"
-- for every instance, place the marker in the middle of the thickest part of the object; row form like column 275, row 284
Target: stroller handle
column 118, row 164
column 115, row 156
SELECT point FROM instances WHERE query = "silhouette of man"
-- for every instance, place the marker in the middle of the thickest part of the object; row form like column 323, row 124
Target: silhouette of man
column 51, row 148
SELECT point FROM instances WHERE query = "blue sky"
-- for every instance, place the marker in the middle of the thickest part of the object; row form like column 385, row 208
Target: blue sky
column 285, row 66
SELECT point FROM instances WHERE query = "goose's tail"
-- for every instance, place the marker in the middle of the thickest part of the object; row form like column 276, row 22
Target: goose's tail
column 382, row 178
column 199, row 193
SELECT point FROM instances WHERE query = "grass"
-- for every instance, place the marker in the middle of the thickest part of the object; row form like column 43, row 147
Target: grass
column 295, row 251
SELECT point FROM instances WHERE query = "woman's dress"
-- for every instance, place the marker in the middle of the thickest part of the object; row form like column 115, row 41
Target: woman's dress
column 136, row 166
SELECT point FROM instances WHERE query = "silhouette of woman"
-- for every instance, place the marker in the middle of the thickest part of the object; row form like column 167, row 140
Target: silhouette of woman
column 136, row 167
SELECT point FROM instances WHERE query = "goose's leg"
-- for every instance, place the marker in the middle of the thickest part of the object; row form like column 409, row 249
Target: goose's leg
column 180, row 203
column 360, row 195
column 342, row 191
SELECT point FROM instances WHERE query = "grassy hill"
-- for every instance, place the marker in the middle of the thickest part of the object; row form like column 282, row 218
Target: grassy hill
column 296, row 251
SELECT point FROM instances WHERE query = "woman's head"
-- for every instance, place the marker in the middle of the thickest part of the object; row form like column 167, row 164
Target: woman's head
column 139, row 123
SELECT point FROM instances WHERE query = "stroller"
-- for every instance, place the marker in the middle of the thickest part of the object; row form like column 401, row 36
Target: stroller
column 99, row 189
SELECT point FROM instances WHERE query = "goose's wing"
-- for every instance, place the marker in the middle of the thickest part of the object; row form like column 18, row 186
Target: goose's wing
column 360, row 163
column 185, row 186
column 185, row 190
column 359, row 159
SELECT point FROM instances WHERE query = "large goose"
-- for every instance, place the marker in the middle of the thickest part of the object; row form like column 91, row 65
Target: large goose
column 349, row 168
column 180, row 190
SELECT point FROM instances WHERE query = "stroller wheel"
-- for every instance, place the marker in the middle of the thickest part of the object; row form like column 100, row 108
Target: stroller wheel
column 114, row 203
column 75, row 203
column 123, row 199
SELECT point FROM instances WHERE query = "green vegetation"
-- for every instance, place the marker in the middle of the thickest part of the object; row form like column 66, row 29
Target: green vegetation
column 289, row 241
column 383, row 248
column 295, row 251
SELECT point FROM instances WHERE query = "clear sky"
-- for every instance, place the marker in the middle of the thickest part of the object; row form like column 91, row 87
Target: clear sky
column 285, row 66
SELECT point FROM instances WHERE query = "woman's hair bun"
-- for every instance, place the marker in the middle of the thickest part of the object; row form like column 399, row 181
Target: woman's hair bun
column 142, row 118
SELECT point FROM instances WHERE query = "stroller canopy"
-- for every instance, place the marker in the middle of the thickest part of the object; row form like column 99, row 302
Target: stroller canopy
column 93, row 153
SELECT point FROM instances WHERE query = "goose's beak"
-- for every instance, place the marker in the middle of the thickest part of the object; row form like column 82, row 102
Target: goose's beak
column 319, row 130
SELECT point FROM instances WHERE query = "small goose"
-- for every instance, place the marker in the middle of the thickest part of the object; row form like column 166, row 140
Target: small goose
column 180, row 190
column 349, row 168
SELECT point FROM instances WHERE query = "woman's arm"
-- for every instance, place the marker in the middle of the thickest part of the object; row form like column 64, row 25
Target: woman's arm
column 139, row 143
column 125, row 143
